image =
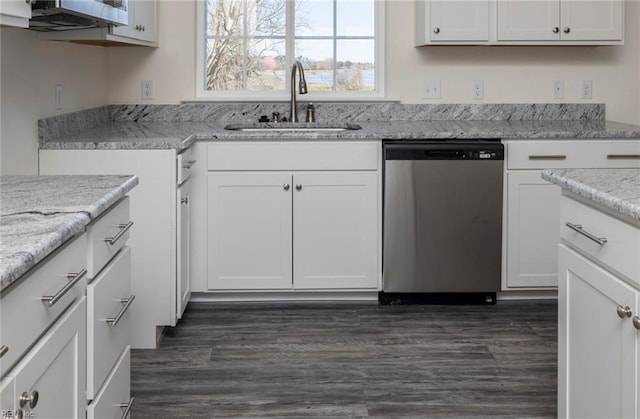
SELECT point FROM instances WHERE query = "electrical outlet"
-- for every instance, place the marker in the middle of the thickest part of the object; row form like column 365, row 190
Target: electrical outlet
column 147, row 89
column 58, row 97
column 477, row 89
column 586, row 89
column 431, row 89
column 558, row 89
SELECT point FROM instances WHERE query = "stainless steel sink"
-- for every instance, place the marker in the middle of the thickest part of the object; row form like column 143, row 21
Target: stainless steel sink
column 292, row 126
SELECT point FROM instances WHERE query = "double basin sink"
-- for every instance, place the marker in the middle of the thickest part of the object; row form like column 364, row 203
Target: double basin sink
column 293, row 126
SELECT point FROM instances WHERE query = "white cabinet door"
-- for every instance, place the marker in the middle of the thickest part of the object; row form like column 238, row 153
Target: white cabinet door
column 596, row 348
column 249, row 230
column 143, row 21
column 592, row 20
column 528, row 20
column 459, row 20
column 183, row 280
column 55, row 369
column 335, row 234
column 533, row 207
column 15, row 13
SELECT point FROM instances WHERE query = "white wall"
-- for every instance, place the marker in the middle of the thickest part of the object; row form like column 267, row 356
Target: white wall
column 29, row 71
column 510, row 74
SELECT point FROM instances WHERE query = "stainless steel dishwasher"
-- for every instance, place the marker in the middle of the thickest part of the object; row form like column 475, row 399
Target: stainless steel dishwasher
column 442, row 234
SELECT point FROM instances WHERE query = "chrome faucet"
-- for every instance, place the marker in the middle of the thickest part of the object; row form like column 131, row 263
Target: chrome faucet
column 302, row 85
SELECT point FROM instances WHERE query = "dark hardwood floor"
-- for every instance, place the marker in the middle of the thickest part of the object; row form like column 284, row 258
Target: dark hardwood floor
column 352, row 361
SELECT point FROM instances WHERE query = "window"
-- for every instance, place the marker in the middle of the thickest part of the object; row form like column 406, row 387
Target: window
column 247, row 47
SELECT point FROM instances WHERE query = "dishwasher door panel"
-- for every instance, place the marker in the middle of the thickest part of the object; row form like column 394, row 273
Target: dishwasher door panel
column 442, row 226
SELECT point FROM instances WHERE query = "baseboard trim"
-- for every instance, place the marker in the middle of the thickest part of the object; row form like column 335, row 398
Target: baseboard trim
column 203, row 297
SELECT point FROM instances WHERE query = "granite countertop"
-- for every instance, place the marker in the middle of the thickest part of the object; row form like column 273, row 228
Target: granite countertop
column 616, row 189
column 40, row 213
column 181, row 134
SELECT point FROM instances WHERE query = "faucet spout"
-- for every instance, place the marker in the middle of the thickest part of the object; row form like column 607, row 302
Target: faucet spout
column 302, row 86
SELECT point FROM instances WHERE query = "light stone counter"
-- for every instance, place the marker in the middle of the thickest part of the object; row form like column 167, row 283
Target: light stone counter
column 178, row 126
column 616, row 189
column 40, row 213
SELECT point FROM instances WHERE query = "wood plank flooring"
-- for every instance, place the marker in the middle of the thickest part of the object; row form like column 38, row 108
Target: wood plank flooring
column 352, row 361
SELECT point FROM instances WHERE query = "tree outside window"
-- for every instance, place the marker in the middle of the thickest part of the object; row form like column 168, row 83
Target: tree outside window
column 251, row 43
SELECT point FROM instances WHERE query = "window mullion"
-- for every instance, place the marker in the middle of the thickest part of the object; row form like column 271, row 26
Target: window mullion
column 290, row 43
column 245, row 46
column 335, row 45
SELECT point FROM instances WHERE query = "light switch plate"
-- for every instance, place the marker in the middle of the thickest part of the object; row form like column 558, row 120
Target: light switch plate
column 431, row 89
column 558, row 89
column 586, row 89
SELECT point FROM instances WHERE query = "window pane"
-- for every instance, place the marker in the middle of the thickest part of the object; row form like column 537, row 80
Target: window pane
column 224, row 69
column 355, row 17
column 314, row 17
column 267, row 17
column 225, row 17
column 355, row 65
column 266, row 62
column 317, row 58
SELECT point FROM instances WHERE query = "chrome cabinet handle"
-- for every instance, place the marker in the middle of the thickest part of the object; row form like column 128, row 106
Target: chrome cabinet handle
column 188, row 164
column 436, row 30
column 123, row 229
column 113, row 322
column 127, row 407
column 298, row 187
column 578, row 228
column 51, row 300
column 31, row 399
column 184, row 200
column 566, row 30
column 556, row 29
column 636, row 322
column 547, row 157
column 285, row 186
column 624, row 311
column 623, row 156
column 3, row 350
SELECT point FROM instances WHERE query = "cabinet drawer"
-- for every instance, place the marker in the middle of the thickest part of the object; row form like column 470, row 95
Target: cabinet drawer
column 304, row 155
column 547, row 154
column 184, row 162
column 107, row 296
column 113, row 399
column 25, row 317
column 106, row 236
column 619, row 253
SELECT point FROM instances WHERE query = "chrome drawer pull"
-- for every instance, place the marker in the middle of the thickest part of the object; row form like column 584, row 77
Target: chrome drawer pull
column 113, row 322
column 188, row 164
column 127, row 407
column 50, row 300
column 636, row 322
column 547, row 157
column 123, row 229
column 578, row 228
column 30, row 399
column 623, row 156
column 3, row 350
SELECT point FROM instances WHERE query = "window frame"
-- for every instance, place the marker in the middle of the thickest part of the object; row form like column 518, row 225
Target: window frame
column 244, row 95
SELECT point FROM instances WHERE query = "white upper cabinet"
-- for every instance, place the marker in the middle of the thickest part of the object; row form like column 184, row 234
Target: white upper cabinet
column 592, row 20
column 15, row 13
column 520, row 22
column 528, row 20
column 143, row 22
column 459, row 21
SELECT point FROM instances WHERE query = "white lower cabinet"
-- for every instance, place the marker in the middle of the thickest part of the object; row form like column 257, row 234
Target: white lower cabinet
column 292, row 230
column 598, row 314
column 597, row 361
column 113, row 401
column 292, row 216
column 532, row 204
column 49, row 381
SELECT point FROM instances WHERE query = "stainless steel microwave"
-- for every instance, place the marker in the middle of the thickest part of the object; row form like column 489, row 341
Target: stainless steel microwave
column 54, row 15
